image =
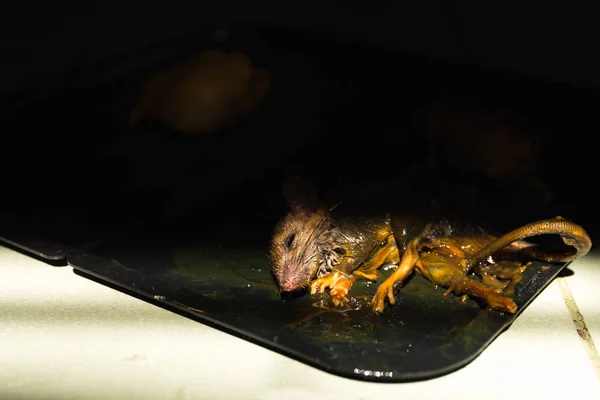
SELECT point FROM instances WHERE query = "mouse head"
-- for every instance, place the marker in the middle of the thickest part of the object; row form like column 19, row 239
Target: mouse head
column 294, row 247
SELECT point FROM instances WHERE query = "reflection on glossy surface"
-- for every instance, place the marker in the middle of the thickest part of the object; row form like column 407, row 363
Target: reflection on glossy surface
column 243, row 277
column 425, row 334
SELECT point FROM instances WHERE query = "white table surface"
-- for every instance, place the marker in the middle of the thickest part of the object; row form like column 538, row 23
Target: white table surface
column 63, row 336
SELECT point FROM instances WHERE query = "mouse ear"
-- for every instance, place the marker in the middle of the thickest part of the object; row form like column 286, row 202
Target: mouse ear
column 300, row 194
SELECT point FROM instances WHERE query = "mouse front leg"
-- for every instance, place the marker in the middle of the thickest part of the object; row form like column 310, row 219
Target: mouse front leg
column 386, row 253
column 340, row 281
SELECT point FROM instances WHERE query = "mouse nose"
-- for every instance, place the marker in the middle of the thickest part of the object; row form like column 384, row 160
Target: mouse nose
column 288, row 285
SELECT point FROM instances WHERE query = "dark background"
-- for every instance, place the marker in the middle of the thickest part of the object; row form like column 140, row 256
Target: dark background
column 45, row 41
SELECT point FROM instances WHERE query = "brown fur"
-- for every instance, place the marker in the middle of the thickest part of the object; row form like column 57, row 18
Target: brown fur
column 295, row 260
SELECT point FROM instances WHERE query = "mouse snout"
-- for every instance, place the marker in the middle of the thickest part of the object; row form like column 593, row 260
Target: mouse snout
column 290, row 285
column 292, row 281
column 292, row 276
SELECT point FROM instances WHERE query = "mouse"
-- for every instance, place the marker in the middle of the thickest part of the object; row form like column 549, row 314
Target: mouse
column 320, row 245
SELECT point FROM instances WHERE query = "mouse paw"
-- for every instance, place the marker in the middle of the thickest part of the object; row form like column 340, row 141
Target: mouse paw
column 339, row 292
column 502, row 303
column 328, row 281
column 384, row 291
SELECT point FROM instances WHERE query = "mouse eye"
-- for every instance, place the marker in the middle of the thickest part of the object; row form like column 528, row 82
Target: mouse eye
column 290, row 240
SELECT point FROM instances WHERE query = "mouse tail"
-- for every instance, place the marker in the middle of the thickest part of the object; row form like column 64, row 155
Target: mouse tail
column 571, row 234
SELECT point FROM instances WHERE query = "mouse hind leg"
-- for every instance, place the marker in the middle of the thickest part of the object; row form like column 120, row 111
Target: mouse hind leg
column 450, row 274
column 503, row 274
